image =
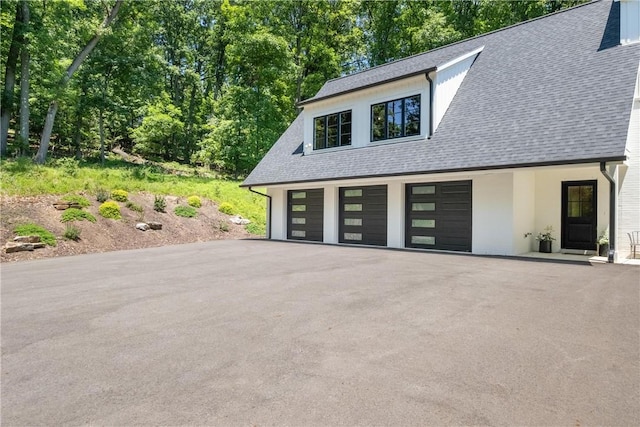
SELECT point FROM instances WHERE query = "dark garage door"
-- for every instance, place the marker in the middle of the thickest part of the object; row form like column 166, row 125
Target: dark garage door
column 439, row 216
column 363, row 215
column 305, row 214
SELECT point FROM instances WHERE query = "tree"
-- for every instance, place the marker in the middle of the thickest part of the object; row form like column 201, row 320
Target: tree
column 79, row 59
column 10, row 79
column 25, row 59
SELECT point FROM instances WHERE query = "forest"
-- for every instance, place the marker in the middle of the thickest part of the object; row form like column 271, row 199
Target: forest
column 202, row 82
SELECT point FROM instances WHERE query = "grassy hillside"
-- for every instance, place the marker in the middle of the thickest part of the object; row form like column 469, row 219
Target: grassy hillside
column 23, row 178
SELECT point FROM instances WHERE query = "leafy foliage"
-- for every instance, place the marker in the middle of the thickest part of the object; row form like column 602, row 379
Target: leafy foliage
column 120, row 195
column 159, row 203
column 185, row 211
column 110, row 210
column 134, row 207
column 31, row 229
column 80, row 200
column 71, row 232
column 194, row 201
column 227, row 208
column 102, row 195
column 75, row 214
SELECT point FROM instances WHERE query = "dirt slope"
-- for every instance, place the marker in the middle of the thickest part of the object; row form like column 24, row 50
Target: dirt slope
column 110, row 235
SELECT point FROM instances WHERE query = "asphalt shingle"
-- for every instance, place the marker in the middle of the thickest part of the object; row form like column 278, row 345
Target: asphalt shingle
column 558, row 89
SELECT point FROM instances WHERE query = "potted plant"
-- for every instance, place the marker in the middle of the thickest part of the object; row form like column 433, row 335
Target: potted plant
column 545, row 238
column 603, row 244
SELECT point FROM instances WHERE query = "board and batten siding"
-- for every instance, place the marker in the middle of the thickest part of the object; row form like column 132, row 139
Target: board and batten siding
column 628, row 179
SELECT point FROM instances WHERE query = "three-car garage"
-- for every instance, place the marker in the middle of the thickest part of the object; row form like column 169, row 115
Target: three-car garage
column 437, row 215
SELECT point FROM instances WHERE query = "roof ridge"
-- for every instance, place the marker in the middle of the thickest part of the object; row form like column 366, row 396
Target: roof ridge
column 557, row 12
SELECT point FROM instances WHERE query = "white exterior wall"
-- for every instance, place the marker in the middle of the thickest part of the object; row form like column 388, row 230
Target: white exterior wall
column 447, row 81
column 360, row 105
column 506, row 205
column 278, row 224
column 492, row 214
column 628, row 181
column 524, row 202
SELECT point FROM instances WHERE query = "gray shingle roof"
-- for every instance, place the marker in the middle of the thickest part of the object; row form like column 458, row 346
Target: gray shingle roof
column 554, row 90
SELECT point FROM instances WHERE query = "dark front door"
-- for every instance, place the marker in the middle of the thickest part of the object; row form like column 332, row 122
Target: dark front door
column 579, row 211
column 363, row 215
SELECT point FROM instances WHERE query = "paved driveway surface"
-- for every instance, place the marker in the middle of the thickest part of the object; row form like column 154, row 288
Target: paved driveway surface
column 261, row 333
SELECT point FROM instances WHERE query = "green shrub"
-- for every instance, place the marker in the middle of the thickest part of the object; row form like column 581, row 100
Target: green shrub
column 31, row 229
column 224, row 227
column 227, row 208
column 134, row 207
column 119, row 195
column 194, row 201
column 74, row 198
column 159, row 204
column 254, row 228
column 110, row 210
column 102, row 195
column 68, row 165
column 185, row 211
column 75, row 214
column 72, row 233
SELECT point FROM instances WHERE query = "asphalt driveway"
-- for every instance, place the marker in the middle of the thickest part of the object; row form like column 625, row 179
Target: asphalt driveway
column 262, row 333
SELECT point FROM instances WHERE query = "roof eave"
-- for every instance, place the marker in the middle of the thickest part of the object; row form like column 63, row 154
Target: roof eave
column 453, row 170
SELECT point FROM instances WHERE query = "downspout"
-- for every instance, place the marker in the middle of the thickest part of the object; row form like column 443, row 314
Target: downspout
column 268, row 210
column 612, row 211
column 430, row 105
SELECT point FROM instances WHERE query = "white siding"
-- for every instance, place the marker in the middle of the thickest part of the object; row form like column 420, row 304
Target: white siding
column 331, row 207
column 360, row 105
column 395, row 212
column 629, row 21
column 628, row 210
column 278, row 213
column 447, row 82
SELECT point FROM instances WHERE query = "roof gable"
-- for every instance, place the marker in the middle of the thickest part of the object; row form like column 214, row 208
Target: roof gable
column 554, row 90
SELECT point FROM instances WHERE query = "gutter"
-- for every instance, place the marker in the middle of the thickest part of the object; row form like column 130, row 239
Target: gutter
column 430, row 104
column 612, row 211
column 268, row 210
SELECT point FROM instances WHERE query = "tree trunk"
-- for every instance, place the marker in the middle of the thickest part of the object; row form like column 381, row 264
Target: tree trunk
column 25, row 59
column 6, row 108
column 53, row 107
column 46, row 133
column 101, row 128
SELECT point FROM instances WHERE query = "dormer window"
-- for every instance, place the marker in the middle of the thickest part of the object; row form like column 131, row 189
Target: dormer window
column 332, row 130
column 395, row 119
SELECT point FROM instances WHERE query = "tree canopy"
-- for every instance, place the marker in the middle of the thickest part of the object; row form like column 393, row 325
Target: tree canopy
column 212, row 82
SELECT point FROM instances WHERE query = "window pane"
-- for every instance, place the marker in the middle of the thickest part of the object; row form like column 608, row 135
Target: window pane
column 412, row 115
column 332, row 130
column 423, row 223
column 574, row 210
column 423, row 240
column 352, row 236
column 574, row 194
column 345, row 128
column 298, row 233
column 586, row 193
column 378, row 121
column 319, row 134
column 299, row 195
column 424, row 189
column 299, row 208
column 353, row 193
column 353, row 221
column 423, row 206
column 394, row 119
column 298, row 220
column 353, row 207
column 345, row 117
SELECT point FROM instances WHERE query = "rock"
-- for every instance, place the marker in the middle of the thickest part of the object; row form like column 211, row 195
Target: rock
column 154, row 225
column 142, row 226
column 62, row 205
column 239, row 220
column 38, row 245
column 18, row 247
column 27, row 239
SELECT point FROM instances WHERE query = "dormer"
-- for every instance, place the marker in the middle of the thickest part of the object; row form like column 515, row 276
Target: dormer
column 382, row 106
